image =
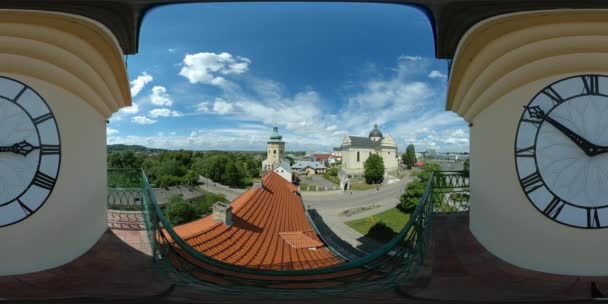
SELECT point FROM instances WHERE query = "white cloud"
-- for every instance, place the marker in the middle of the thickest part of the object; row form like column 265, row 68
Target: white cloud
column 110, row 131
column 164, row 112
column 210, row 68
column 171, row 50
column 133, row 109
column 437, row 74
column 143, row 120
column 139, row 83
column 402, row 100
column 202, row 107
column 222, row 107
column 160, row 97
column 410, row 58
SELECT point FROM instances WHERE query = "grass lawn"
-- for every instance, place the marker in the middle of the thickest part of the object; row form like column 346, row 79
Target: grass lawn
column 394, row 218
column 363, row 186
column 333, row 179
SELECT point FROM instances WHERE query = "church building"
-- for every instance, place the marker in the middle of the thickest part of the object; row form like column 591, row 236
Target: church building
column 355, row 150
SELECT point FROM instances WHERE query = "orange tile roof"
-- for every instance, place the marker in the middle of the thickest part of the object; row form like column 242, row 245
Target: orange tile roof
column 299, row 240
column 262, row 220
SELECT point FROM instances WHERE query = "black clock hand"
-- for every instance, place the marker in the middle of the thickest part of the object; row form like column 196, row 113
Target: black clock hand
column 23, row 148
column 580, row 141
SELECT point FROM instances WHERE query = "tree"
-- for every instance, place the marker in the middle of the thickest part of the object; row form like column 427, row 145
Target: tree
column 409, row 158
column 427, row 170
column 115, row 160
column 232, row 175
column 190, row 178
column 179, row 211
column 413, row 192
column 415, row 189
column 373, row 169
column 466, row 168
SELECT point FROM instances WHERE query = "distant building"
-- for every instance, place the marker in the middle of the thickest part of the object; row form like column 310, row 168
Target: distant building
column 326, row 159
column 284, row 170
column 355, row 150
column 309, row 167
column 337, row 154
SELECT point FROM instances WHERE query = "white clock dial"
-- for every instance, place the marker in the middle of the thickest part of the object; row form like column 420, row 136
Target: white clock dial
column 561, row 151
column 30, row 151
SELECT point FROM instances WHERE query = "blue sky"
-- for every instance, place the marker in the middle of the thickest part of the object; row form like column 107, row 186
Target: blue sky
column 219, row 76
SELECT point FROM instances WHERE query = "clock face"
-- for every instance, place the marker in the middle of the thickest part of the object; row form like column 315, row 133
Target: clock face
column 561, row 151
column 30, row 151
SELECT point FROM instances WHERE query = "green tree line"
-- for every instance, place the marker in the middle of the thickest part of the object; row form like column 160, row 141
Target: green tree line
column 170, row 168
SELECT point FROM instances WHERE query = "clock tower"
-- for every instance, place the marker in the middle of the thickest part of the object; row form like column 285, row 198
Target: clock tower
column 276, row 149
column 534, row 88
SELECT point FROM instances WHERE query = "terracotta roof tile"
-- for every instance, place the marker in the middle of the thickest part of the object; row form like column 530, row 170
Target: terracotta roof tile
column 299, row 240
column 269, row 231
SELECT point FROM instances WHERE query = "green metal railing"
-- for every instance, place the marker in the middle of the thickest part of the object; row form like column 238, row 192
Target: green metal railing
column 393, row 264
column 126, row 189
column 450, row 192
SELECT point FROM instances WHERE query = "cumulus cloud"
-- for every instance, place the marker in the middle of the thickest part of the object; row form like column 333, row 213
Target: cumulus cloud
column 164, row 112
column 133, row 109
column 211, row 68
column 437, row 74
column 160, row 97
column 139, row 83
column 402, row 99
column 202, row 107
column 143, row 120
column 110, row 131
column 222, row 107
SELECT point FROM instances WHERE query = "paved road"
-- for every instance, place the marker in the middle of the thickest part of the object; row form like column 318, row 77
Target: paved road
column 330, row 205
column 230, row 193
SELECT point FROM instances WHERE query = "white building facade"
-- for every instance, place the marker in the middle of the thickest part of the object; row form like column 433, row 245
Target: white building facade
column 356, row 150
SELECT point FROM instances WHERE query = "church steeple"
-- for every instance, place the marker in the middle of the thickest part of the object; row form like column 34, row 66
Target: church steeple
column 275, row 136
column 276, row 149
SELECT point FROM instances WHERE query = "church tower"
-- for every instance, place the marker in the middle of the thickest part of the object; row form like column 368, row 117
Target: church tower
column 276, row 149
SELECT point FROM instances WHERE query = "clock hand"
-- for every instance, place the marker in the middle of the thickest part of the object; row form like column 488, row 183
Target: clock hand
column 580, row 141
column 23, row 148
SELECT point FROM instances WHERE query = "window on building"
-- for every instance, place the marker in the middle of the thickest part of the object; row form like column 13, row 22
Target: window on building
column 370, row 153
column 357, row 156
column 275, row 151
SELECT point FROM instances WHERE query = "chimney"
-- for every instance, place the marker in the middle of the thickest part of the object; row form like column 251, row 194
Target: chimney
column 257, row 185
column 222, row 212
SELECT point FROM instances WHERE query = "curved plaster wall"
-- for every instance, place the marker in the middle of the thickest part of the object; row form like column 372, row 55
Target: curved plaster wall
column 76, row 66
column 500, row 65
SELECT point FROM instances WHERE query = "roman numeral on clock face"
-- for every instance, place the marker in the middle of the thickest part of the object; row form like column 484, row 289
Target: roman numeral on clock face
column 591, row 84
column 49, row 149
column 532, row 182
column 40, row 119
column 43, row 181
column 554, row 208
column 555, row 97
column 25, row 208
column 593, row 219
column 526, row 152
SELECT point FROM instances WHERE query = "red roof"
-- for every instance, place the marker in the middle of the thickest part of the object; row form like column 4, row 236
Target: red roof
column 322, row 156
column 269, row 231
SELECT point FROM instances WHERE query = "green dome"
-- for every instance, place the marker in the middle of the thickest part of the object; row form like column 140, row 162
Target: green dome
column 275, row 137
